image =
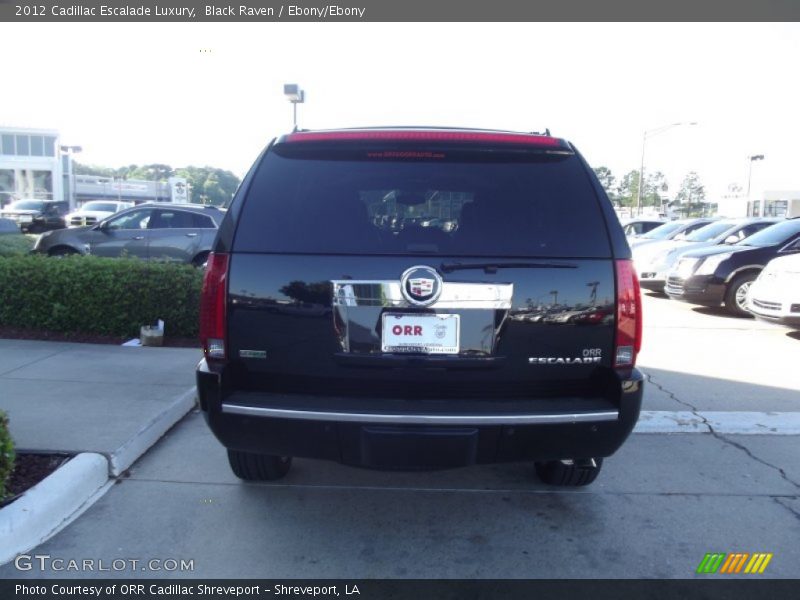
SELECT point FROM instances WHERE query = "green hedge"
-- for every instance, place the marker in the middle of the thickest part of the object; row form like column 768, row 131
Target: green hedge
column 6, row 455
column 107, row 296
column 15, row 244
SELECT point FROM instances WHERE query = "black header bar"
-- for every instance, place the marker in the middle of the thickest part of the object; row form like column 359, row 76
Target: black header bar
column 335, row 11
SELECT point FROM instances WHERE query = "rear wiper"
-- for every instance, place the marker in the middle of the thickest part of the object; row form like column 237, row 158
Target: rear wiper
column 492, row 267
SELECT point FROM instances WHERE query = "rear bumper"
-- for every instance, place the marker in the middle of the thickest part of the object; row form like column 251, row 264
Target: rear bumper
column 414, row 434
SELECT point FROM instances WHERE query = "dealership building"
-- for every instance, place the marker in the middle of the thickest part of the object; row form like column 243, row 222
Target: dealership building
column 33, row 164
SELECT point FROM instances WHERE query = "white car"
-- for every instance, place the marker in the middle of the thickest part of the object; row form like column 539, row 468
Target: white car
column 775, row 295
column 94, row 212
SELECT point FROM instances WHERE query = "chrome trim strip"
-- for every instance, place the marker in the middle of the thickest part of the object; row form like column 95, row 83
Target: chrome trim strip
column 421, row 419
column 454, row 295
column 733, row 274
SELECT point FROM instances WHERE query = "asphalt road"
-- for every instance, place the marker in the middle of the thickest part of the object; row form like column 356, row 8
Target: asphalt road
column 660, row 504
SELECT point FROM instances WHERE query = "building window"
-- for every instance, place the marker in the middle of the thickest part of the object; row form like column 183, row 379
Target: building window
column 6, row 186
column 7, row 144
column 776, row 208
column 23, row 145
column 37, row 145
column 49, row 146
column 756, row 208
column 35, row 184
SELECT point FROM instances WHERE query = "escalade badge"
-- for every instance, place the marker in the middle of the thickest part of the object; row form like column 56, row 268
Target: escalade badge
column 421, row 285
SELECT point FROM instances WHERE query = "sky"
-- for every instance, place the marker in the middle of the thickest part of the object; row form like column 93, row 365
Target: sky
column 212, row 93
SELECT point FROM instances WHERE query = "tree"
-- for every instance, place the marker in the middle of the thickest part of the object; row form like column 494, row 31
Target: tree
column 628, row 189
column 655, row 187
column 209, row 185
column 607, row 180
column 692, row 197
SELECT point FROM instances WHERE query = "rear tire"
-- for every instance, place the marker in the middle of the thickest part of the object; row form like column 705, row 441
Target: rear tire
column 569, row 472
column 200, row 260
column 258, row 467
column 736, row 294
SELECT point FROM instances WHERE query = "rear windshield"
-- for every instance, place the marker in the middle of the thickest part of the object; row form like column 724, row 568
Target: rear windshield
column 541, row 205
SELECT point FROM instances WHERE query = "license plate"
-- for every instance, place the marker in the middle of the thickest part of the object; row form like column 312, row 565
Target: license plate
column 425, row 334
column 25, row 218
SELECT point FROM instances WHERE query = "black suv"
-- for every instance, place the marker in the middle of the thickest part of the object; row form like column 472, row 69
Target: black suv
column 723, row 274
column 36, row 216
column 401, row 299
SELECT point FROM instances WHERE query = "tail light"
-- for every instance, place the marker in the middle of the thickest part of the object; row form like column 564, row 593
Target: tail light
column 212, row 307
column 629, row 315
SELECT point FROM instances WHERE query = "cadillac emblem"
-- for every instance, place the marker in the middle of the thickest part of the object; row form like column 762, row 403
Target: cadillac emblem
column 421, row 286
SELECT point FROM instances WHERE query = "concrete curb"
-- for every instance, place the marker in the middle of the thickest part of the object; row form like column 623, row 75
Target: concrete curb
column 42, row 510
column 127, row 454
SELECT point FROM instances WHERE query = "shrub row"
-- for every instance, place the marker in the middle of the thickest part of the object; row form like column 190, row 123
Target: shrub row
column 107, row 296
column 15, row 244
column 6, row 455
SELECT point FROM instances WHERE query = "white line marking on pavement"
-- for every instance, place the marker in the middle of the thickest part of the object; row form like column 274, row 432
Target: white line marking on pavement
column 729, row 423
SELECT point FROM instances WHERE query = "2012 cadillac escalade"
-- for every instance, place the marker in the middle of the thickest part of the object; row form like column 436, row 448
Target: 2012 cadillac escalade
column 416, row 298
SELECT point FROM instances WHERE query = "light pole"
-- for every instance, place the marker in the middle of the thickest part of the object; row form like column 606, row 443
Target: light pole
column 751, row 159
column 69, row 176
column 648, row 134
column 296, row 96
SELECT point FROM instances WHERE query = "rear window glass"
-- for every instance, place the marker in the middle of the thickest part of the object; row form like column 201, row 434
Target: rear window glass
column 540, row 206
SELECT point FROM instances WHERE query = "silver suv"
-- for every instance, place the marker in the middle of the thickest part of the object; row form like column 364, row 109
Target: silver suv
column 163, row 231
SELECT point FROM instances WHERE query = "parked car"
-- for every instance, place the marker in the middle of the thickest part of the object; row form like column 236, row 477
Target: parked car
column 722, row 274
column 672, row 230
column 637, row 227
column 418, row 365
column 8, row 226
column 35, row 216
column 775, row 294
column 654, row 261
column 162, row 231
column 95, row 211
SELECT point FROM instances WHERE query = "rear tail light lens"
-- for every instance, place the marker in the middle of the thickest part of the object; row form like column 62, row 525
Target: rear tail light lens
column 212, row 307
column 629, row 315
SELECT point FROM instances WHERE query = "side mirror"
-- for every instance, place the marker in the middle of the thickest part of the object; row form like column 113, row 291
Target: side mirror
column 731, row 239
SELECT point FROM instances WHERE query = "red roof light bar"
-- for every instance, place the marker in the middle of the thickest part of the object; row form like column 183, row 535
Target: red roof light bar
column 389, row 135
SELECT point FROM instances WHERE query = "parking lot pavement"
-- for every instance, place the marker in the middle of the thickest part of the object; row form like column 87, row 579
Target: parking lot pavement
column 660, row 504
column 63, row 397
column 701, row 358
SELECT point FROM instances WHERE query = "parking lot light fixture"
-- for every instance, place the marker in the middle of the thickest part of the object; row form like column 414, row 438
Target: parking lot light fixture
column 648, row 133
column 296, row 96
